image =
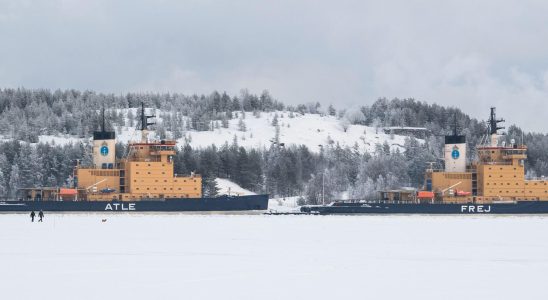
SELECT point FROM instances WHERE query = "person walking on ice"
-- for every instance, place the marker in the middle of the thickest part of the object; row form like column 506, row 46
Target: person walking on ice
column 41, row 215
column 32, row 214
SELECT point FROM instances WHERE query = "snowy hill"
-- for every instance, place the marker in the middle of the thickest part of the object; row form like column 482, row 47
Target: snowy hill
column 311, row 130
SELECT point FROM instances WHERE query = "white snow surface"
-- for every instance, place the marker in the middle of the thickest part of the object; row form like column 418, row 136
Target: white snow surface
column 227, row 187
column 213, row 256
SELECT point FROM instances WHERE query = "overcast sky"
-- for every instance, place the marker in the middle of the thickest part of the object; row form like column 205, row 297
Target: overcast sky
column 469, row 54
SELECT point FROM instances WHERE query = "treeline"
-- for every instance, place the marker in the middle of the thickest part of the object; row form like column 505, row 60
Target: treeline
column 23, row 165
column 27, row 114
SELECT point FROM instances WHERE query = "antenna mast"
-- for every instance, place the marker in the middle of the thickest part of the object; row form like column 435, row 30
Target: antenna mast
column 493, row 127
column 145, row 123
column 103, row 120
column 455, row 128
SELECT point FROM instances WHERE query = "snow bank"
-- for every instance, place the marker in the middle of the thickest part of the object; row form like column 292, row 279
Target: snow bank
column 227, row 187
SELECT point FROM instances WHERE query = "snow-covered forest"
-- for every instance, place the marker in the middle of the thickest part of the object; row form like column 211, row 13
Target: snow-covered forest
column 282, row 167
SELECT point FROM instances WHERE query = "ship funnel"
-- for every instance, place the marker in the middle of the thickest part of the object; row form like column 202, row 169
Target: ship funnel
column 455, row 151
column 104, row 146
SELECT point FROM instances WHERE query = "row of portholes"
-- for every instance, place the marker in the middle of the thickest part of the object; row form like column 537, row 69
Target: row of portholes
column 148, row 165
column 518, row 192
column 165, row 189
column 163, row 173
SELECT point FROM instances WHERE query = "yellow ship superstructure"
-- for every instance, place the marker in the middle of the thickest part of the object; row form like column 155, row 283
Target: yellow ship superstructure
column 146, row 172
column 498, row 175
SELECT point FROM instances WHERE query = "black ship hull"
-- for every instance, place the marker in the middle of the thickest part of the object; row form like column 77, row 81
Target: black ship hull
column 224, row 203
column 521, row 207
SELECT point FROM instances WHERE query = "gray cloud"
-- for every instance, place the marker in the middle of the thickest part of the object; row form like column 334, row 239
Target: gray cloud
column 467, row 54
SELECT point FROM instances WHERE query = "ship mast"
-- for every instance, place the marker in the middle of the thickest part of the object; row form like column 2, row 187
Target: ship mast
column 493, row 127
column 145, row 123
column 103, row 120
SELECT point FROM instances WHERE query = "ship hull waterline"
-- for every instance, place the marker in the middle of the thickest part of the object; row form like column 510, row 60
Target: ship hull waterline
column 224, row 203
column 522, row 207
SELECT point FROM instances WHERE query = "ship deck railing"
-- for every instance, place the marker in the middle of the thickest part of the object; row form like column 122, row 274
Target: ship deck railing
column 443, row 170
column 378, row 201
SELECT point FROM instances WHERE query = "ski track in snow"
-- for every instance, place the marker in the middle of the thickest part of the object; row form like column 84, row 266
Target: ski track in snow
column 226, row 256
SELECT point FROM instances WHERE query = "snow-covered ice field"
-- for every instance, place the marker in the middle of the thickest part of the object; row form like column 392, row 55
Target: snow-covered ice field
column 194, row 256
